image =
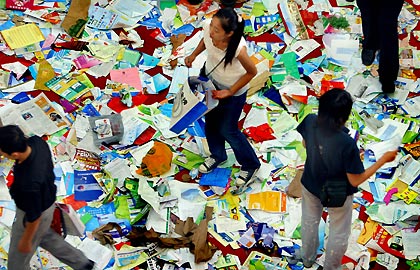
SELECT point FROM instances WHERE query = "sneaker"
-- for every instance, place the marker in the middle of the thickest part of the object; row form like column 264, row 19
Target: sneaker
column 307, row 264
column 244, row 180
column 245, row 176
column 368, row 56
column 208, row 165
column 311, row 265
column 90, row 265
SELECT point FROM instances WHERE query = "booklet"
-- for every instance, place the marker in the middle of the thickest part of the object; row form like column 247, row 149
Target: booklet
column 19, row 4
column 67, row 87
column 86, row 160
column 86, row 188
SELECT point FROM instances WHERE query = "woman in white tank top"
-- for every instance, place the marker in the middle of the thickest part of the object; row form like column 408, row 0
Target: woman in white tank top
column 230, row 69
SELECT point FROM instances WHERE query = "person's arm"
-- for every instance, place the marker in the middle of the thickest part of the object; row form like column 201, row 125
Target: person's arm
column 25, row 242
column 199, row 49
column 357, row 179
column 251, row 71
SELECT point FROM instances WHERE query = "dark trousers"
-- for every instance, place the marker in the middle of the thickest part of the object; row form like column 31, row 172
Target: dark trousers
column 222, row 126
column 379, row 23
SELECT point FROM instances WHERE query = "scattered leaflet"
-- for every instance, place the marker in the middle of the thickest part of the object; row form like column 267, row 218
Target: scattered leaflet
column 19, row 4
column 270, row 201
column 86, row 188
column 36, row 117
column 67, row 87
column 22, row 36
column 86, row 160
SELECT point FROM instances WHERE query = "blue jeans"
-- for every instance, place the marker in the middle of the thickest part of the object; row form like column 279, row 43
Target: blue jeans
column 222, row 126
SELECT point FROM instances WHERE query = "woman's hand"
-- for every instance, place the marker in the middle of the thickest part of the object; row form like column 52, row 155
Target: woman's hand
column 220, row 94
column 189, row 60
column 389, row 156
column 356, row 179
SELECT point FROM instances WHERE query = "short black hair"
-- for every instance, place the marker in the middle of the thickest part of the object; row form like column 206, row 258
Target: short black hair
column 334, row 109
column 12, row 139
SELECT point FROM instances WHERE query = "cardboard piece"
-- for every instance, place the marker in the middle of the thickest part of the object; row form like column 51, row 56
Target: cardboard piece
column 295, row 187
column 45, row 74
column 176, row 40
column 76, row 18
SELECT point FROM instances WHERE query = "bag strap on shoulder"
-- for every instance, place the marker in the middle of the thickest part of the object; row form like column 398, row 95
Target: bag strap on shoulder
column 218, row 64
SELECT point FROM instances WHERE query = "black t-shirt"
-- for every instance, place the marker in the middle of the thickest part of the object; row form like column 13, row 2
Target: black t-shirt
column 340, row 154
column 33, row 188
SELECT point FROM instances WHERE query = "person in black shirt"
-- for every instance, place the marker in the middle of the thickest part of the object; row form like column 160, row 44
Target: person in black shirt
column 341, row 154
column 34, row 193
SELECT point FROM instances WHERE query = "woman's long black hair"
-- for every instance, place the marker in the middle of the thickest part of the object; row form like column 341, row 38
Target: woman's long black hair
column 230, row 22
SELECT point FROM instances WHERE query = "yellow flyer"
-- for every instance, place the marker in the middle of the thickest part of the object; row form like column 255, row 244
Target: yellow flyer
column 22, row 36
column 270, row 201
